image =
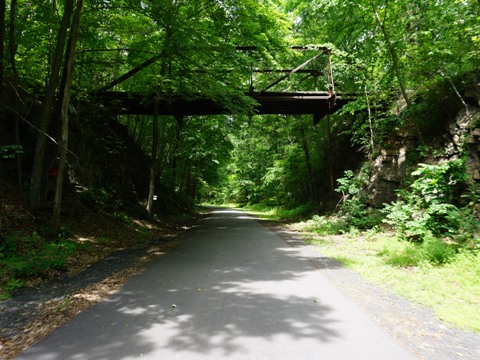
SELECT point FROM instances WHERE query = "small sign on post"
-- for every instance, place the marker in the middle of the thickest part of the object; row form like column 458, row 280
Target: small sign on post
column 155, row 197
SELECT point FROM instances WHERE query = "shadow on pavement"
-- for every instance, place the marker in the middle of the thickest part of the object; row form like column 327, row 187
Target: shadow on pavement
column 215, row 295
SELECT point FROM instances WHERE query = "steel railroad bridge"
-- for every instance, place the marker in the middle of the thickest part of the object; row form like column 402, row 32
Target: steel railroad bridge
column 316, row 103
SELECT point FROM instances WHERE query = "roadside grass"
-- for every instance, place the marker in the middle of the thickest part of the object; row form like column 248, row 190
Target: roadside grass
column 430, row 274
column 278, row 213
column 268, row 212
column 451, row 289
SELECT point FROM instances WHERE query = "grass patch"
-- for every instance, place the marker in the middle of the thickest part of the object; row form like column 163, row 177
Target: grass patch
column 262, row 211
column 430, row 273
column 324, row 225
column 279, row 213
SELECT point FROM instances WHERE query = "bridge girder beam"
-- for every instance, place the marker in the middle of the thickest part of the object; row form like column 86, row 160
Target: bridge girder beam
column 318, row 104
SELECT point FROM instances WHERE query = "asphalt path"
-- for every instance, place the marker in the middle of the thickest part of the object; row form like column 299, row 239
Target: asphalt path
column 232, row 290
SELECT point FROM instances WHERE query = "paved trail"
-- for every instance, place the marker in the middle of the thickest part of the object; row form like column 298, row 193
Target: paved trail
column 232, row 290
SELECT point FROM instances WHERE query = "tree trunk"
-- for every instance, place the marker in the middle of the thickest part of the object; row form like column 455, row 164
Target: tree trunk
column 183, row 182
column 153, row 164
column 188, row 186
column 330, row 157
column 68, row 75
column 162, row 150
column 396, row 66
column 176, row 145
column 11, row 39
column 12, row 52
column 370, row 123
column 393, row 54
column 155, row 140
column 308, row 162
column 50, row 41
column 18, row 157
column 38, row 171
column 2, row 42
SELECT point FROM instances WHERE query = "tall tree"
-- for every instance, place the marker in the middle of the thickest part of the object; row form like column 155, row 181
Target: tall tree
column 65, row 101
column 396, row 65
column 39, row 171
column 2, row 40
column 308, row 162
column 153, row 158
column 12, row 45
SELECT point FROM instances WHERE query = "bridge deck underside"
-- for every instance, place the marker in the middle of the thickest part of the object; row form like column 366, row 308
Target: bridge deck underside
column 316, row 103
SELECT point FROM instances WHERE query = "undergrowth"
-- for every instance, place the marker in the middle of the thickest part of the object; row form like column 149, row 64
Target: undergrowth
column 28, row 259
column 22, row 257
column 430, row 273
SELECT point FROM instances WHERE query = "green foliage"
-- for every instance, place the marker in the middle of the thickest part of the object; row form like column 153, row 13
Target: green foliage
column 295, row 212
column 473, row 195
column 127, row 220
column 437, row 251
column 10, row 151
column 10, row 286
column 407, row 254
column 144, row 232
column 27, row 256
column 352, row 206
column 277, row 160
column 439, row 183
column 324, row 225
column 280, row 213
column 102, row 199
column 113, row 145
column 432, row 273
column 430, row 205
column 419, row 154
column 415, row 222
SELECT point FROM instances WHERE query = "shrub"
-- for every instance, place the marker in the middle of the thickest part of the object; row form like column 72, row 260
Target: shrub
column 439, row 183
column 353, row 205
column 430, row 205
column 436, row 251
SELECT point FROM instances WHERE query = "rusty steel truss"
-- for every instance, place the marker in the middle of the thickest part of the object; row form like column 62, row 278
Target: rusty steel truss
column 317, row 103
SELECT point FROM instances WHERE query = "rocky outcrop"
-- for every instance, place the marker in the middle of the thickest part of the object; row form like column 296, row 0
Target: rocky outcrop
column 390, row 167
column 464, row 138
